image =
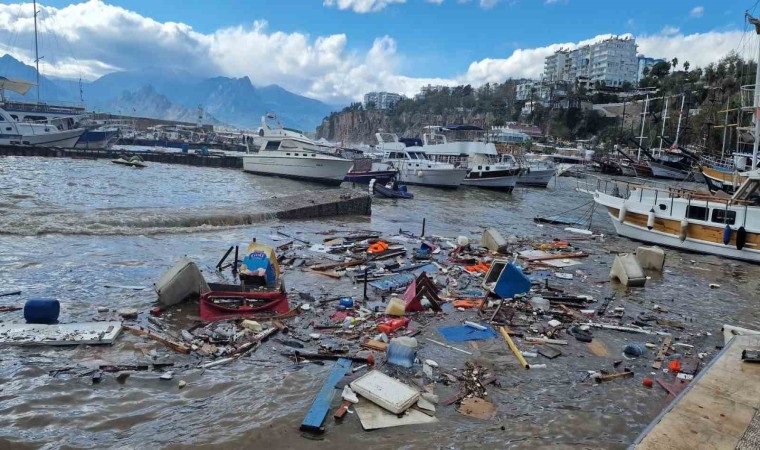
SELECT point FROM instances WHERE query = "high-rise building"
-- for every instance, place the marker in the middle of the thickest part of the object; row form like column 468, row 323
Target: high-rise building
column 610, row 62
column 382, row 100
column 645, row 63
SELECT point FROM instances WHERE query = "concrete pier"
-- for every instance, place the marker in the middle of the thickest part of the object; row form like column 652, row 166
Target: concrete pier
column 190, row 159
column 719, row 409
column 319, row 204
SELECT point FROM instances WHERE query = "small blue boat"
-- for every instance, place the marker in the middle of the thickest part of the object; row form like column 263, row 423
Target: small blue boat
column 393, row 189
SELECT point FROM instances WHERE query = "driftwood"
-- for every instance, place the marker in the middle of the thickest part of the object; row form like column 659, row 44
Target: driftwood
column 176, row 346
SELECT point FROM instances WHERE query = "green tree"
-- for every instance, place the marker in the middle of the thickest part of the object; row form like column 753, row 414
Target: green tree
column 686, row 66
column 674, row 63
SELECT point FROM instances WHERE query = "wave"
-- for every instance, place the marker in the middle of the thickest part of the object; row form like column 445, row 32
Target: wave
column 124, row 221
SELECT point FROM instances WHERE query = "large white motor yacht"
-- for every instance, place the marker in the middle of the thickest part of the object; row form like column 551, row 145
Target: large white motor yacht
column 413, row 165
column 487, row 169
column 288, row 153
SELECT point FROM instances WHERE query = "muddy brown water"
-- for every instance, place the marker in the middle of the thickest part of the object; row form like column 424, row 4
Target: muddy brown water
column 68, row 228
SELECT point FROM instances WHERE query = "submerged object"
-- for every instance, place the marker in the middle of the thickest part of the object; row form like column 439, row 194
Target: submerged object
column 393, row 189
column 218, row 305
column 628, row 271
column 259, row 266
column 506, row 280
column 42, row 311
column 182, row 281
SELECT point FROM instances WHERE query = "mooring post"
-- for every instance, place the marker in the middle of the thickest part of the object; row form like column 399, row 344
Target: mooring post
column 423, row 227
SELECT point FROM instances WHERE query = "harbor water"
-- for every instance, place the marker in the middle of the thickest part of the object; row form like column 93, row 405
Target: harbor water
column 94, row 234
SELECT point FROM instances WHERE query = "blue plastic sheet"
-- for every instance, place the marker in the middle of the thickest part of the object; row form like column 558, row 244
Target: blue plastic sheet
column 511, row 282
column 465, row 333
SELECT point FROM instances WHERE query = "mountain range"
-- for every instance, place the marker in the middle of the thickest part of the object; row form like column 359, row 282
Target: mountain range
column 175, row 95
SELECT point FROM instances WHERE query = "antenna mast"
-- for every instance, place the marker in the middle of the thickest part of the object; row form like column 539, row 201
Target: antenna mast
column 36, row 50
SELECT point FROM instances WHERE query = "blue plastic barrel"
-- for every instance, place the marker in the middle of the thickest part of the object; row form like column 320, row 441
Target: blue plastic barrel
column 42, row 310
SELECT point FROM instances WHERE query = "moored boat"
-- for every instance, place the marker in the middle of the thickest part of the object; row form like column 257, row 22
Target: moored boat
column 414, row 167
column 685, row 219
column 288, row 153
column 392, row 189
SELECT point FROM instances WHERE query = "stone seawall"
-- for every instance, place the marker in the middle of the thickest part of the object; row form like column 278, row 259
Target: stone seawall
column 189, row 159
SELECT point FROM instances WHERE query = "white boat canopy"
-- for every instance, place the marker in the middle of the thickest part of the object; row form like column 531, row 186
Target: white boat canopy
column 18, row 86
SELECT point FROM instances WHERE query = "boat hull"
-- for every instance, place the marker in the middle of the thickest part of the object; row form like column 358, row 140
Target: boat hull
column 265, row 303
column 62, row 139
column 536, row 177
column 182, row 281
column 721, row 180
column 438, row 178
column 501, row 183
column 666, row 172
column 381, row 176
column 329, row 171
column 96, row 139
column 642, row 234
column 382, row 191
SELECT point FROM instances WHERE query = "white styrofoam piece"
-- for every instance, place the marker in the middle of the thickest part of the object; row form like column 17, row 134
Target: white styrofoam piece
column 385, row 391
column 373, row 417
column 59, row 334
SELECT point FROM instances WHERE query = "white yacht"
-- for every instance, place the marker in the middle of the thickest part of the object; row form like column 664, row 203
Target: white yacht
column 13, row 132
column 536, row 172
column 414, row 167
column 487, row 169
column 287, row 153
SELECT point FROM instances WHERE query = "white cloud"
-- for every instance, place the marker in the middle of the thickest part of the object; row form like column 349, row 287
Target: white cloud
column 436, row 2
column 488, row 4
column 362, row 6
column 668, row 30
column 697, row 11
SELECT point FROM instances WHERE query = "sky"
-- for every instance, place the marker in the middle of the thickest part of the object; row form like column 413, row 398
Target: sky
column 337, row 50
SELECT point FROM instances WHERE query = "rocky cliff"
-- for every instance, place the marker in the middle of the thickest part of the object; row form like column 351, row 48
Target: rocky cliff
column 359, row 126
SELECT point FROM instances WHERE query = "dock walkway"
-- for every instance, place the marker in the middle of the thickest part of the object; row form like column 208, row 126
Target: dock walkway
column 720, row 409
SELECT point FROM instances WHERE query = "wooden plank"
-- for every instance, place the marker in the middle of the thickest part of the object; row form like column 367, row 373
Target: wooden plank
column 614, row 376
column 661, row 353
column 321, row 404
column 513, row 347
column 375, row 345
column 176, row 346
column 556, row 256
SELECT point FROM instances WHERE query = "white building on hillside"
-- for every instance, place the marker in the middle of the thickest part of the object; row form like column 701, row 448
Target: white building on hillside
column 382, row 100
column 611, row 62
column 645, row 63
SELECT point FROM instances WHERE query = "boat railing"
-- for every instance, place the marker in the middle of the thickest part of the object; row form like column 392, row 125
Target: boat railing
column 641, row 188
column 748, row 97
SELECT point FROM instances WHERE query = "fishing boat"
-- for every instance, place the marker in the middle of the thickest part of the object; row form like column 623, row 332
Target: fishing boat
column 362, row 172
column 536, row 172
column 288, row 153
column 220, row 305
column 261, row 290
column 134, row 161
column 684, row 219
column 413, row 166
column 463, row 146
column 392, row 189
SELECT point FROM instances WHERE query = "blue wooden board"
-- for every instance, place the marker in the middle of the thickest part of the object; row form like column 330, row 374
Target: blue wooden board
column 321, row 405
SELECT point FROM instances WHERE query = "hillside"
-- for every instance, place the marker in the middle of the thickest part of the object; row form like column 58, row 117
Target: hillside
column 706, row 91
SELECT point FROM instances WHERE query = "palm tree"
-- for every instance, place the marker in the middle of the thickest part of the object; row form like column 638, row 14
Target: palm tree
column 686, row 66
column 674, row 63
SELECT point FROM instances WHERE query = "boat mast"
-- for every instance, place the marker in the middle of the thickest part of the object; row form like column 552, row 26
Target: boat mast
column 643, row 124
column 36, row 50
column 756, row 93
column 680, row 116
column 664, row 120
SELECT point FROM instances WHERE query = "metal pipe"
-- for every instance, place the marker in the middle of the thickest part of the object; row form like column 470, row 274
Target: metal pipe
column 36, row 50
